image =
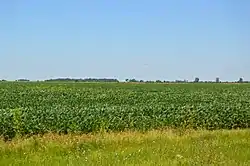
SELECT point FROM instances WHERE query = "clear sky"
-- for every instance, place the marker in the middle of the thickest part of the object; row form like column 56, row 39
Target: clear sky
column 142, row 39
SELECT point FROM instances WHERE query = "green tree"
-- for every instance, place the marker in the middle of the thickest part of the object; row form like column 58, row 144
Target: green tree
column 196, row 79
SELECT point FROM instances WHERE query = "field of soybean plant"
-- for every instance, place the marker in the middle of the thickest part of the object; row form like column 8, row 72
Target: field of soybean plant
column 40, row 107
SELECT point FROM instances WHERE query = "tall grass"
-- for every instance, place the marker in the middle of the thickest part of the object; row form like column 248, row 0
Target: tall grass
column 156, row 147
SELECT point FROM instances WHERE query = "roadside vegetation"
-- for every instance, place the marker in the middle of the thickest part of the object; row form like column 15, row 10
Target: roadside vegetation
column 156, row 147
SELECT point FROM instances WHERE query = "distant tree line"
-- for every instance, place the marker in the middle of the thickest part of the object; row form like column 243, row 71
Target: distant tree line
column 84, row 80
column 196, row 80
column 23, row 80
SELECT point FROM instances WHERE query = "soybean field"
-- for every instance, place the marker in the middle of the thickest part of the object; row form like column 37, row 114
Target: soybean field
column 28, row 108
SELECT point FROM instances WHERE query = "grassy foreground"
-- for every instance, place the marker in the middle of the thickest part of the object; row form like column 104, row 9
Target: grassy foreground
column 165, row 147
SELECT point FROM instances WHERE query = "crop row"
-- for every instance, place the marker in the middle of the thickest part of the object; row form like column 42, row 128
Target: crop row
column 38, row 108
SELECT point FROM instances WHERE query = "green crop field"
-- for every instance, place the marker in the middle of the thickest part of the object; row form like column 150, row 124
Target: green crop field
column 39, row 107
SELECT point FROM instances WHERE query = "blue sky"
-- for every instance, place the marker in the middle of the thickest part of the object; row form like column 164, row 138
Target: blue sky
column 142, row 39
